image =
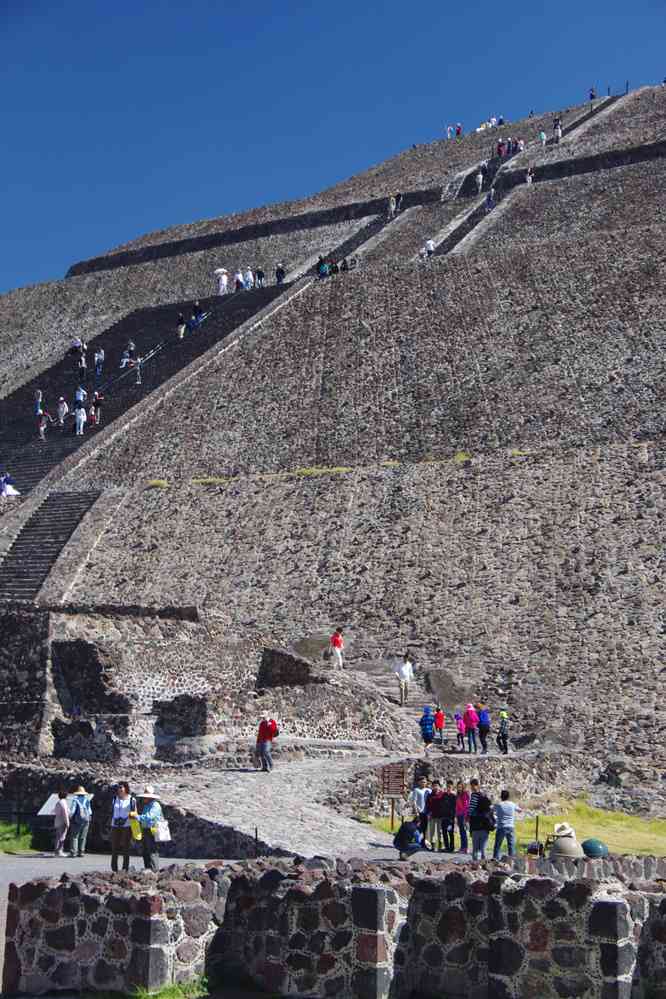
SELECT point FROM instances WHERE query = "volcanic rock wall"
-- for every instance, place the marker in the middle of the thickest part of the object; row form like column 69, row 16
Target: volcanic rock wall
column 24, row 681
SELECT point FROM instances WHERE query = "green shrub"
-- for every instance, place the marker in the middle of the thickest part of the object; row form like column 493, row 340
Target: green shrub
column 157, row 484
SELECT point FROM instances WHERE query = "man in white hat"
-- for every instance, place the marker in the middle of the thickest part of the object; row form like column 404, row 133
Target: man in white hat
column 222, row 280
column 148, row 818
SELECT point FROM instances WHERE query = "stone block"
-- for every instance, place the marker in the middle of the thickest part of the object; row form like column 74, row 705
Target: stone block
column 452, row 925
column 63, row 938
column 617, row 960
column 371, row 983
column 149, row 968
column 505, row 957
column 368, row 907
column 371, row 948
column 609, row 920
column 574, row 985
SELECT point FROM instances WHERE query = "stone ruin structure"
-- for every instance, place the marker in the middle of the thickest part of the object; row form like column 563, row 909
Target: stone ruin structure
column 321, row 928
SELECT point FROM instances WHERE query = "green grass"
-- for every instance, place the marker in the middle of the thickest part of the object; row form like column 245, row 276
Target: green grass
column 185, row 990
column 157, row 484
column 10, row 842
column 212, row 480
column 621, row 833
column 461, row 456
column 314, row 470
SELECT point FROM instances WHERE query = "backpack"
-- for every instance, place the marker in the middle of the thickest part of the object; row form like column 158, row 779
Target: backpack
column 81, row 813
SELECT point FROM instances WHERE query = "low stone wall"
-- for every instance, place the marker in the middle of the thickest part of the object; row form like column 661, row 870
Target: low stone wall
column 24, row 696
column 348, row 929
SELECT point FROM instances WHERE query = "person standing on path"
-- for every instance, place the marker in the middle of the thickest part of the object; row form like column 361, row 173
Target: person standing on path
column 471, row 720
column 99, row 362
column 484, row 726
column 80, row 814
column 449, row 817
column 481, row 820
column 505, row 817
column 268, row 731
column 80, row 418
column 435, row 807
column 405, row 674
column 280, row 274
column 222, row 276
column 121, row 833
column 503, row 732
column 391, row 206
column 148, row 818
column 418, row 799
column 336, row 645
column 60, row 823
column 460, row 730
column 542, row 139
column 427, row 726
column 462, row 813
column 62, row 411
column 479, row 181
column 440, row 721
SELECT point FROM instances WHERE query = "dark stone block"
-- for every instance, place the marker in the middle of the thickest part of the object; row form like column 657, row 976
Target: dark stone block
column 539, row 964
column 368, row 905
column 149, row 931
column 119, row 906
column 570, row 957
column 617, row 960
column 541, row 888
column 31, row 891
column 308, row 918
column 554, row 910
column 71, row 909
column 371, row 983
column 11, row 921
column 115, row 949
column 433, row 955
column 335, row 986
column 63, row 938
column 12, row 968
column 104, row 973
column 336, row 913
column 148, row 967
column 46, row 962
column 577, row 893
column 459, row 954
column 273, row 946
column 258, row 919
column 90, row 905
column 399, row 957
column 496, row 921
column 298, row 941
column 563, row 931
column 151, row 905
column 539, row 937
column 299, row 962
column 574, row 985
column 455, row 885
column 609, row 919
column 196, row 919
column 269, row 881
column 99, row 926
column 66, row 975
column 513, row 923
column 531, row 911
column 495, row 882
column 326, row 963
column 317, row 942
column 497, row 989
column 452, row 925
column 475, row 905
column 81, row 927
column 505, row 957
column 341, row 939
column 430, row 906
column 121, row 927
column 618, row 990
column 514, row 899
column 306, row 983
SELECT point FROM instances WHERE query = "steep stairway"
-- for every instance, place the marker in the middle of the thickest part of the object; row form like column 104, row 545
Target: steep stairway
column 378, row 675
column 154, row 332
column 36, row 548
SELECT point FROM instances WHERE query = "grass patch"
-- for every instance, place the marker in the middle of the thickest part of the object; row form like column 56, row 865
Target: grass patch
column 13, row 842
column 390, row 463
column 621, row 833
column 516, row 453
column 184, row 990
column 306, row 473
column 211, row 480
column 461, row 456
column 157, row 484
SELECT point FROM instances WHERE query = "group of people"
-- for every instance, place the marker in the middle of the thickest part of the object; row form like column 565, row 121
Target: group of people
column 128, row 823
column 245, row 279
column 473, row 728
column 86, row 408
column 454, row 130
column 440, row 809
column 328, row 266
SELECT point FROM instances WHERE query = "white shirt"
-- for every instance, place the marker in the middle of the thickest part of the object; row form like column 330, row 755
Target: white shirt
column 121, row 809
column 249, row 277
column 81, row 395
column 430, row 245
column 405, row 671
column 418, row 797
column 81, row 415
column 99, row 355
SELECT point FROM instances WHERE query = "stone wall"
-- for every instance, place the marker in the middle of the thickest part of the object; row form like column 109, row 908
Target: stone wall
column 283, row 669
column 25, row 693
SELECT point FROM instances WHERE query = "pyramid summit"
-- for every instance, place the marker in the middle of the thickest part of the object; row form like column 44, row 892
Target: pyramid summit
column 435, row 421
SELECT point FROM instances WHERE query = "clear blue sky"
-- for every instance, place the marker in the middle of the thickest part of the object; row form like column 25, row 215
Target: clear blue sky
column 121, row 118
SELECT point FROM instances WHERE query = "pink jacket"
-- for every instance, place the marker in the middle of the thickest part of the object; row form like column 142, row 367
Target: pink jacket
column 460, row 725
column 471, row 719
column 462, row 804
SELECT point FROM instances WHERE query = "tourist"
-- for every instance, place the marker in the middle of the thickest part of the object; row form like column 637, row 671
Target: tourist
column 99, row 362
column 440, row 720
column 92, row 414
column 39, row 402
column 148, row 818
column 75, row 345
column 82, row 367
column 280, row 274
column 557, row 128
column 405, row 674
column 408, row 839
column 471, row 720
column 449, row 817
column 459, row 130
column 248, row 279
column 43, row 421
column 80, row 814
column 484, row 726
column 481, row 820
column 60, row 823
column 462, row 813
column 125, row 360
column 479, row 180
column 542, row 138
column 428, row 249
column 593, row 95
column 391, row 206
column 505, row 818
column 529, row 175
column 238, row 281
column 268, row 731
column 460, row 730
column 449, row 131
column 344, row 266
column 222, row 276
column 80, row 395
column 80, row 418
column 418, row 799
column 490, row 200
column 398, row 202
column 436, row 807
column 7, row 486
column 121, row 833
column 181, row 326
column 503, row 732
column 427, row 726
column 336, row 646
column 131, row 349
column 260, row 277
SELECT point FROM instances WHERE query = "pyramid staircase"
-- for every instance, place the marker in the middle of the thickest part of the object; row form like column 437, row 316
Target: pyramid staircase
column 38, row 544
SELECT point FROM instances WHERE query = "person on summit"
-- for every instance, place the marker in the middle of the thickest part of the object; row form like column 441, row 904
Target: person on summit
column 391, row 206
column 336, row 646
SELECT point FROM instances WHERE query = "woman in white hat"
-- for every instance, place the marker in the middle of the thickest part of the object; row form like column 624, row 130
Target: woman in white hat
column 150, row 815
column 222, row 280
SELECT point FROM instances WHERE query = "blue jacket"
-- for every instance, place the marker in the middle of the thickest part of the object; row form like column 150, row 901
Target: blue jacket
column 484, row 717
column 427, row 723
column 151, row 815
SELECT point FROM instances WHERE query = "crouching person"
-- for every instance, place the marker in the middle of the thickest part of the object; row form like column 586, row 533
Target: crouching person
column 408, row 839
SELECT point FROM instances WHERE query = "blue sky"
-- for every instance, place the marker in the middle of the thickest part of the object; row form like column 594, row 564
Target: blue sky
column 125, row 117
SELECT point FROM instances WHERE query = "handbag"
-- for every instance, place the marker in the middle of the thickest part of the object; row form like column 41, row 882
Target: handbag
column 135, row 826
column 161, row 832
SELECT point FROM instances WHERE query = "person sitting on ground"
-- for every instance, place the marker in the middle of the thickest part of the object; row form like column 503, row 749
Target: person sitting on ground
column 505, row 819
column 427, row 726
column 280, row 274
column 408, row 839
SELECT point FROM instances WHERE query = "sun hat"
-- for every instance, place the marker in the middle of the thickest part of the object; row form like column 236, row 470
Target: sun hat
column 149, row 792
column 564, row 829
column 80, row 790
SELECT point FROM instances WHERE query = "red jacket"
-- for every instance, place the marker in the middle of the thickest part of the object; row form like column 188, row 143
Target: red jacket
column 439, row 720
column 267, row 731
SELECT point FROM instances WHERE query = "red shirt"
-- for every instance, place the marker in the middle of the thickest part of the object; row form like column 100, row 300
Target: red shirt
column 267, row 731
column 439, row 719
column 336, row 640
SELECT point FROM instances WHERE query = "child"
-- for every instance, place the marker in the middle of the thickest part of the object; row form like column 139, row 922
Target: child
column 427, row 725
column 439, row 724
column 503, row 732
column 460, row 728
